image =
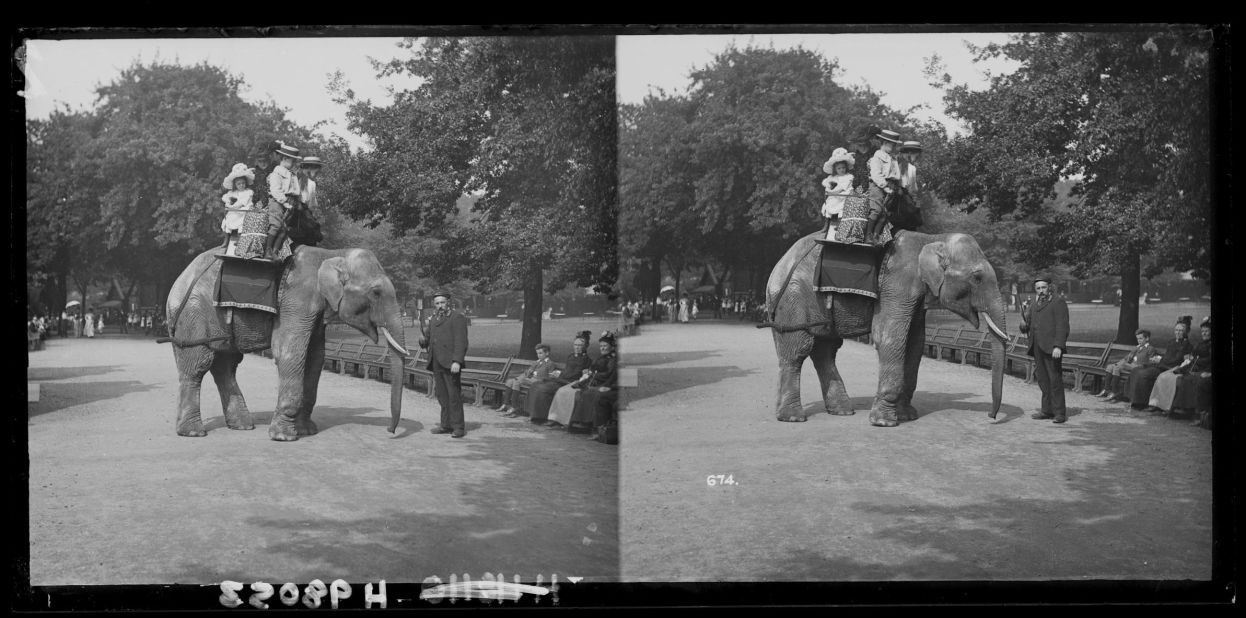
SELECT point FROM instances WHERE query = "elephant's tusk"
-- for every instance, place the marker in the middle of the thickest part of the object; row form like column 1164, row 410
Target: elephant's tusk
column 995, row 329
column 401, row 350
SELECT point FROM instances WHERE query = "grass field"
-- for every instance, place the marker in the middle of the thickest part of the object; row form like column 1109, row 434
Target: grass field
column 500, row 338
column 1097, row 323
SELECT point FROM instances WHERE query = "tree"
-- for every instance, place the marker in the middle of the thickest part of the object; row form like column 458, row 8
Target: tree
column 731, row 174
column 168, row 135
column 656, row 196
column 524, row 125
column 1124, row 117
column 64, row 241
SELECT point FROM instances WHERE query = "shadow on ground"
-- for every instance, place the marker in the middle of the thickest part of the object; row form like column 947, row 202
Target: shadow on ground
column 534, row 518
column 55, row 396
column 34, row 374
column 930, row 403
column 1012, row 538
column 642, row 359
column 664, row 381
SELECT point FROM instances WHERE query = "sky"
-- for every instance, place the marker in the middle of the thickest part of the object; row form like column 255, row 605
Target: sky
column 292, row 72
column 295, row 72
column 889, row 64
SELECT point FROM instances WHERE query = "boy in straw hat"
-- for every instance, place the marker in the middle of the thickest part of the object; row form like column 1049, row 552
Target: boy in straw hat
column 838, row 186
column 909, row 153
column 238, row 202
column 304, row 221
column 284, row 193
column 884, row 180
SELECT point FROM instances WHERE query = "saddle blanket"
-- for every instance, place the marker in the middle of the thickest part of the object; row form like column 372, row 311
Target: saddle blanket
column 248, row 284
column 848, row 268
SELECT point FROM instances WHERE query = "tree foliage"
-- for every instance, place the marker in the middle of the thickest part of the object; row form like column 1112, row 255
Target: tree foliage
column 133, row 185
column 1124, row 118
column 526, row 126
column 730, row 174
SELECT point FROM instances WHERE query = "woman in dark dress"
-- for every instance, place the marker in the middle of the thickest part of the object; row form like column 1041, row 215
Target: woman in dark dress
column 1194, row 385
column 602, row 388
column 541, row 394
column 1142, row 380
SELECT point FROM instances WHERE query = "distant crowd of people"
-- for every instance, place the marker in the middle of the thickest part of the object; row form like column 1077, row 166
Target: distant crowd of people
column 90, row 323
column 688, row 308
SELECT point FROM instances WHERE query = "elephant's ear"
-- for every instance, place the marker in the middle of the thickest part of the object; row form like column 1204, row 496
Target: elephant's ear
column 932, row 265
column 332, row 278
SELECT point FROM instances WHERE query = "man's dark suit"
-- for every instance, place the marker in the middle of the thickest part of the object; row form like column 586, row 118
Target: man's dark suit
column 446, row 339
column 1048, row 324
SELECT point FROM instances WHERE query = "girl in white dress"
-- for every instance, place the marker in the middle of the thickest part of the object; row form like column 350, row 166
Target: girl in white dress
column 838, row 186
column 238, row 201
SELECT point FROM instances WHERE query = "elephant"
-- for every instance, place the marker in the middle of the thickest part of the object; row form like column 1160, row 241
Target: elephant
column 316, row 286
column 916, row 271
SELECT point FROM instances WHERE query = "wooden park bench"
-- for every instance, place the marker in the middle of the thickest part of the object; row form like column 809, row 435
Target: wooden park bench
column 346, row 354
column 1082, row 357
column 483, row 373
column 1018, row 353
column 939, row 340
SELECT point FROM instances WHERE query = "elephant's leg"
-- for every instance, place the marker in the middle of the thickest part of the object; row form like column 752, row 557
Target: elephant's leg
column 891, row 339
column 834, row 395
column 913, row 354
column 225, row 371
column 792, row 348
column 311, row 382
column 290, row 352
column 192, row 364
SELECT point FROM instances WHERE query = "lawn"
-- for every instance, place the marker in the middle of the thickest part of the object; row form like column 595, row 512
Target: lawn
column 1097, row 322
column 500, row 338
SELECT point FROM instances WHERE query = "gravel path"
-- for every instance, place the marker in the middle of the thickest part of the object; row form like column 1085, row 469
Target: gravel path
column 1112, row 494
column 117, row 498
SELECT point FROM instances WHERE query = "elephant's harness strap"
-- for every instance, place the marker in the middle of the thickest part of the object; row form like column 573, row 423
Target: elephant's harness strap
column 173, row 322
column 788, row 329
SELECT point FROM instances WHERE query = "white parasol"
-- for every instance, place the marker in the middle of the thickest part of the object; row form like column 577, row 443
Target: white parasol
column 72, row 303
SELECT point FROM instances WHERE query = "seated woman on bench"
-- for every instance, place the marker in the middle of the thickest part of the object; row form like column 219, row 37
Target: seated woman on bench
column 541, row 395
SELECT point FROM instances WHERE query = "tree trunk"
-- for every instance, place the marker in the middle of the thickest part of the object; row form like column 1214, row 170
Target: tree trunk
column 1127, row 324
column 532, row 308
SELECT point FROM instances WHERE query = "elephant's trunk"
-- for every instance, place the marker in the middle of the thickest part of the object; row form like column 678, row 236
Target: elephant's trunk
column 995, row 322
column 393, row 333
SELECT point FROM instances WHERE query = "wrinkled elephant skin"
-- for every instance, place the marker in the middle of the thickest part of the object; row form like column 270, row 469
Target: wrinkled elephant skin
column 318, row 285
column 915, row 269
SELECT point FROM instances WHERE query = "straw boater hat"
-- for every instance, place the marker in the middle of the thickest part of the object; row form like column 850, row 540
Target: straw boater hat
column 312, row 162
column 840, row 155
column 240, row 171
column 887, row 135
column 911, row 146
column 286, row 150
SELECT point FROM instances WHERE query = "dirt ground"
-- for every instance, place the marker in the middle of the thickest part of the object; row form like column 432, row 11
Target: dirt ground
column 1112, row 494
column 117, row 498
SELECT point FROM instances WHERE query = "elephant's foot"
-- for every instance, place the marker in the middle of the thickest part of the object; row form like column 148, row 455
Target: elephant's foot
column 839, row 406
column 240, row 421
column 191, row 428
column 283, row 432
column 792, row 418
column 906, row 412
column 883, row 417
column 306, row 427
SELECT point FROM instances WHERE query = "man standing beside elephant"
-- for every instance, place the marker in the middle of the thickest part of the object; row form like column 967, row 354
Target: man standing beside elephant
column 1047, row 322
column 445, row 336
